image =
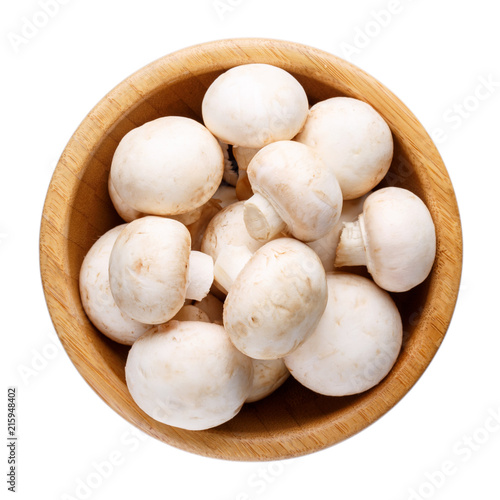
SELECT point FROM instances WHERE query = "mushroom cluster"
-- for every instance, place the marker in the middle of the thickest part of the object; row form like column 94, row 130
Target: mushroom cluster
column 226, row 276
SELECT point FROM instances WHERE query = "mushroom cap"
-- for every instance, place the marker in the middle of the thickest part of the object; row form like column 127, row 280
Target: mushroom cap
column 255, row 104
column 167, row 166
column 148, row 268
column 197, row 229
column 95, row 292
column 227, row 228
column 226, row 195
column 276, row 300
column 326, row 246
column 399, row 238
column 127, row 213
column 294, row 180
column 191, row 312
column 212, row 306
column 353, row 140
column 356, row 342
column 268, row 375
column 188, row 374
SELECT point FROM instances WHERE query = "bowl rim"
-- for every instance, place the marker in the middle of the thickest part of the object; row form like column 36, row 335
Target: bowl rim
column 435, row 317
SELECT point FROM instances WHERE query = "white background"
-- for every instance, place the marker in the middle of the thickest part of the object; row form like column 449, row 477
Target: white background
column 435, row 56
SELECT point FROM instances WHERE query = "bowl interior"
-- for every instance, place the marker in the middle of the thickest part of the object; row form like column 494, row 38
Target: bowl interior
column 294, row 420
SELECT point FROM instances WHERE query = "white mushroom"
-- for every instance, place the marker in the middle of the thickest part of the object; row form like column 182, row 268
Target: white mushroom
column 243, row 156
column 226, row 195
column 227, row 228
column 168, row 166
column 326, row 247
column 188, row 374
column 96, row 296
column 152, row 269
column 197, row 229
column 294, row 191
column 191, row 312
column 276, row 300
column 230, row 167
column 128, row 214
column 353, row 140
column 356, row 342
column 243, row 187
column 253, row 105
column 213, row 307
column 268, row 375
column 230, row 261
column 394, row 238
column 190, row 217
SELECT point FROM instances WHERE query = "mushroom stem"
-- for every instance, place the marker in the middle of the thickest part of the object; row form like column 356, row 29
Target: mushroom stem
column 243, row 187
column 261, row 219
column 229, row 263
column 351, row 247
column 200, row 275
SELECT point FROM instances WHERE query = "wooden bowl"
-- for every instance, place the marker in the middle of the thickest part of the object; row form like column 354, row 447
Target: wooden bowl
column 293, row 421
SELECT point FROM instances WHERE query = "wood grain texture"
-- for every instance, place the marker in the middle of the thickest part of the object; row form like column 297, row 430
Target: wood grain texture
column 293, row 421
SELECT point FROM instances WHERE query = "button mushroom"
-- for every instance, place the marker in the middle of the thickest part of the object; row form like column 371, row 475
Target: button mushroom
column 152, row 269
column 253, row 105
column 243, row 156
column 325, row 247
column 230, row 261
column 276, row 300
column 128, row 214
column 356, row 342
column 191, row 312
column 197, row 229
column 212, row 306
column 97, row 300
column 268, row 375
column 226, row 195
column 394, row 238
column 168, row 166
column 293, row 190
column 230, row 166
column 227, row 228
column 353, row 140
column 243, row 188
column 188, row 374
